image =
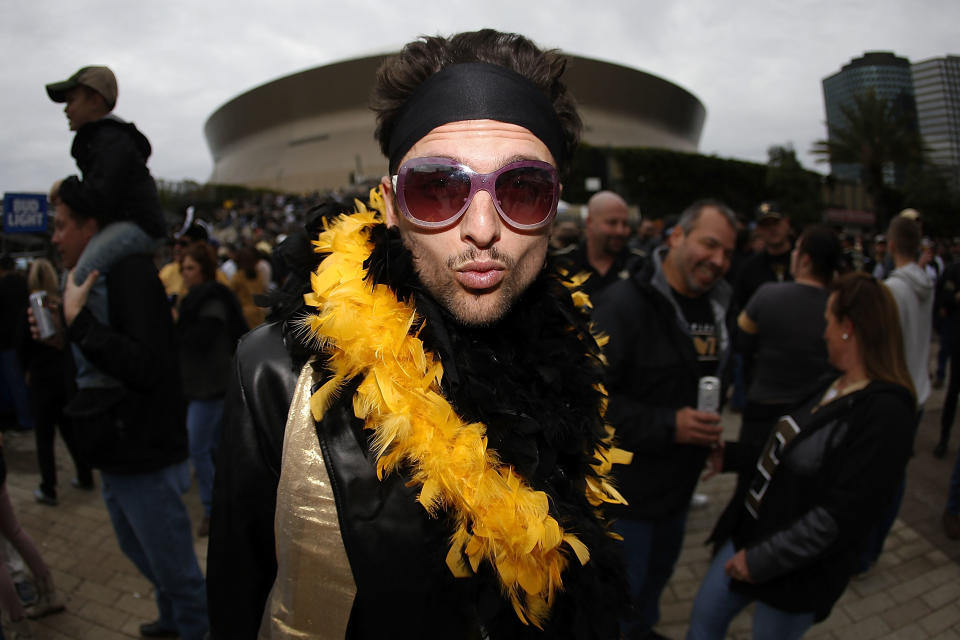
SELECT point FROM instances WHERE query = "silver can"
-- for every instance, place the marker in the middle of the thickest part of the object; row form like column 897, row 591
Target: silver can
column 45, row 326
column 708, row 394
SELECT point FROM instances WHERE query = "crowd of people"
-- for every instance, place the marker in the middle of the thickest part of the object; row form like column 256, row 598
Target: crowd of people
column 465, row 418
column 130, row 367
column 757, row 305
column 208, row 320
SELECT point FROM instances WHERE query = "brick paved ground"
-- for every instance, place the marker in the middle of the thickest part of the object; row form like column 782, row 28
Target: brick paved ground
column 914, row 592
column 106, row 596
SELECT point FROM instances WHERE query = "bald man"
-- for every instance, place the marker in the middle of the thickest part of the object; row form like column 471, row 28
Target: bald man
column 603, row 253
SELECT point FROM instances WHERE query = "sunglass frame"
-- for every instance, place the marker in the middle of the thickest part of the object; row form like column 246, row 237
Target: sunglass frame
column 478, row 182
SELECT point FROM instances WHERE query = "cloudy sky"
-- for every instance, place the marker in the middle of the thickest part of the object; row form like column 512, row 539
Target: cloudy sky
column 756, row 65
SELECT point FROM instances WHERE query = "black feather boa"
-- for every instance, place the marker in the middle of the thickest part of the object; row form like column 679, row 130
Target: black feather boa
column 532, row 379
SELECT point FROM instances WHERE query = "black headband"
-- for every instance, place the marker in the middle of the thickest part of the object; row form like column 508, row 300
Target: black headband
column 476, row 91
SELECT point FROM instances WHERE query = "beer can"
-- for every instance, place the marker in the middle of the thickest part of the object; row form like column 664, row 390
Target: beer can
column 38, row 302
column 708, row 394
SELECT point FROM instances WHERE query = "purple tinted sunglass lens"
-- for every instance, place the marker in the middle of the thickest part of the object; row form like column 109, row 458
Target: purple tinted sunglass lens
column 434, row 191
column 526, row 194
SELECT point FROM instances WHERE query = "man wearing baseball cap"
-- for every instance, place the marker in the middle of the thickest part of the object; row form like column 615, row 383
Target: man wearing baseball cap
column 98, row 78
column 773, row 263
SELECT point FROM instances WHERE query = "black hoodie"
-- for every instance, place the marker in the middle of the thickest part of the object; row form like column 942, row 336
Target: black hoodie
column 116, row 185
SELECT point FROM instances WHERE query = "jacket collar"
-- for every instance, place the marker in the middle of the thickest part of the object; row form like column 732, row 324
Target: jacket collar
column 721, row 293
column 719, row 296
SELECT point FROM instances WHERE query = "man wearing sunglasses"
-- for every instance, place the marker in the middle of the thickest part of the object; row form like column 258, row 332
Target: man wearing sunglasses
column 415, row 446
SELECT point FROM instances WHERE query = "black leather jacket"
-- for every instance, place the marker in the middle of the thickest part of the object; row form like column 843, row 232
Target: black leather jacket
column 245, row 489
column 531, row 381
column 396, row 550
column 833, row 480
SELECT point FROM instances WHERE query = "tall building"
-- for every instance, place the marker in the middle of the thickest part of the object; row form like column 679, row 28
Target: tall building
column 890, row 78
column 936, row 84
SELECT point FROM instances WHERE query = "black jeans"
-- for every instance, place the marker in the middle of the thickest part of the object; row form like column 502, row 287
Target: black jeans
column 48, row 415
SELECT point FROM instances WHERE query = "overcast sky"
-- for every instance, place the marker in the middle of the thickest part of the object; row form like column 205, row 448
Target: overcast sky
column 756, row 65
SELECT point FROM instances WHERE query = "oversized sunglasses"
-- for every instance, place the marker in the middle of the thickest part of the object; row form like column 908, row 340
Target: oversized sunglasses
column 435, row 192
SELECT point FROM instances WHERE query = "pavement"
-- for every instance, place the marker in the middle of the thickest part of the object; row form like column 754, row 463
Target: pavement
column 912, row 592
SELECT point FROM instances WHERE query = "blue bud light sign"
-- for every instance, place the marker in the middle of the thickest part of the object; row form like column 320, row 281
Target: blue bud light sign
column 24, row 212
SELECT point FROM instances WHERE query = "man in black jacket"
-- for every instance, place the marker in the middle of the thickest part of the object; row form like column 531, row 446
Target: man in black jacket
column 418, row 450
column 603, row 253
column 770, row 265
column 667, row 330
column 136, row 435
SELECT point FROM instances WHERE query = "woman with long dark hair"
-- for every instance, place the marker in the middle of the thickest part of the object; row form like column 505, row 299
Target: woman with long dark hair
column 791, row 538
column 209, row 324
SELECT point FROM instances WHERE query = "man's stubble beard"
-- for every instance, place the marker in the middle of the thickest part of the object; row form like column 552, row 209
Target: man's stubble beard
column 614, row 246
column 682, row 263
column 467, row 308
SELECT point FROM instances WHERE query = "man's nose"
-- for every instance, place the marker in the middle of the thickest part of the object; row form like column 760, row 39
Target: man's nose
column 718, row 259
column 481, row 224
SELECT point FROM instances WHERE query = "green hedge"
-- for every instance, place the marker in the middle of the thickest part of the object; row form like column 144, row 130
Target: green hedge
column 663, row 182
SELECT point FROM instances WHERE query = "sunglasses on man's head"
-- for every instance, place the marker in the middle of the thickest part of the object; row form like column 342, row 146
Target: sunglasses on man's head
column 435, row 192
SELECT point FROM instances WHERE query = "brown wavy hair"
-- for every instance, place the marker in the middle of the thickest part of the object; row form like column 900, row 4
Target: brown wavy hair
column 872, row 311
column 400, row 75
column 204, row 255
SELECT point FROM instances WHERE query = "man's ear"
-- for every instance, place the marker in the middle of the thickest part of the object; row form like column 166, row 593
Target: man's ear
column 389, row 202
column 676, row 235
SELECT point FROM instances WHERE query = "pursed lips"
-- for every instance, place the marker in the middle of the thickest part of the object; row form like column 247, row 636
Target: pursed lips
column 480, row 275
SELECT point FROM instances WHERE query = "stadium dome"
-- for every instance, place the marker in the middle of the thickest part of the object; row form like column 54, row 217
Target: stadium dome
column 312, row 130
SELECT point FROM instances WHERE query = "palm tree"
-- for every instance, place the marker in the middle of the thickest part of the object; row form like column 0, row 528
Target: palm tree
column 878, row 133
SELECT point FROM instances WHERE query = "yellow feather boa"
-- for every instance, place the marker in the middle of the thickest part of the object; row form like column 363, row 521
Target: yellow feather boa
column 365, row 331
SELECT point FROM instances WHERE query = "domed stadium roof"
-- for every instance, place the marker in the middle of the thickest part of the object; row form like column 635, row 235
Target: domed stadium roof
column 312, row 130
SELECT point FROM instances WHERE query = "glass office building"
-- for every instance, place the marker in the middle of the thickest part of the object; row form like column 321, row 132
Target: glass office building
column 936, row 84
column 890, row 78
